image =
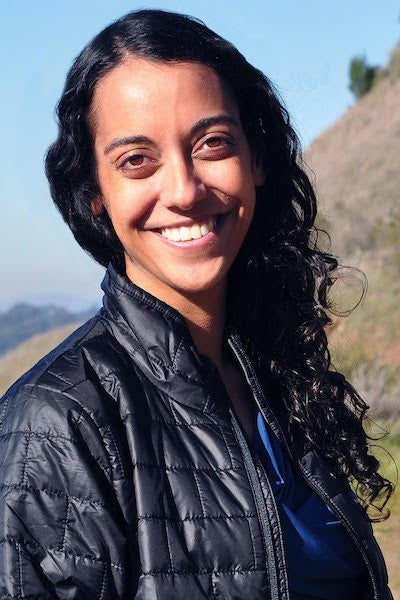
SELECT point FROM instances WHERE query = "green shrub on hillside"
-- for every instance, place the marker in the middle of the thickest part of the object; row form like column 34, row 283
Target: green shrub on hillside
column 361, row 76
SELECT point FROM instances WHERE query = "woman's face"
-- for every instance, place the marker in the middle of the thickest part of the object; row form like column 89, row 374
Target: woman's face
column 175, row 172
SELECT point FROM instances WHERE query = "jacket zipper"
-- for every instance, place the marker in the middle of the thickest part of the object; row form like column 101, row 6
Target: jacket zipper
column 285, row 595
column 255, row 481
column 261, row 508
column 247, row 367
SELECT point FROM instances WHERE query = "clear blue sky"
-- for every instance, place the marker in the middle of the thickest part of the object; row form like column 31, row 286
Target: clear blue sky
column 304, row 47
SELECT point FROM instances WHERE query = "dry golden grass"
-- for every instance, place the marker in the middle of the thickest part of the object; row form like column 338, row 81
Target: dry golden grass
column 356, row 166
column 17, row 361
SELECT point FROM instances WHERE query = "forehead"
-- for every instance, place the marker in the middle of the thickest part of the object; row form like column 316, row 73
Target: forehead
column 148, row 91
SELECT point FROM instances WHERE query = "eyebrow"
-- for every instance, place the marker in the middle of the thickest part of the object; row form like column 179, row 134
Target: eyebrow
column 209, row 121
column 125, row 141
column 199, row 126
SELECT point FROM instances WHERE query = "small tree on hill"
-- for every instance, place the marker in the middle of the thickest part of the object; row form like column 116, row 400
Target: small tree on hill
column 361, row 76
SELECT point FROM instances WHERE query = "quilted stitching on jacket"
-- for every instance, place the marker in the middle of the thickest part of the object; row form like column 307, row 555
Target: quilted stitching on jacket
column 122, row 477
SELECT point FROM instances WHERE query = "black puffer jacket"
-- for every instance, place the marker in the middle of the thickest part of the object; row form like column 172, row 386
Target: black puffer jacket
column 124, row 473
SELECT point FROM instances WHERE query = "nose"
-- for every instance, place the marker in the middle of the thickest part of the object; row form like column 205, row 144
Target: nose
column 182, row 188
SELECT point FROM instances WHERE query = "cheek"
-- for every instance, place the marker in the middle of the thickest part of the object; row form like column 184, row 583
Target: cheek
column 236, row 184
column 125, row 207
column 247, row 193
column 241, row 182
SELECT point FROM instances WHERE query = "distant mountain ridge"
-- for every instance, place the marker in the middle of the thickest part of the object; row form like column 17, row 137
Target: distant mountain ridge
column 23, row 320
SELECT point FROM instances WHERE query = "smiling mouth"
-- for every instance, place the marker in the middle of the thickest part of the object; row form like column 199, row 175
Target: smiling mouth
column 186, row 234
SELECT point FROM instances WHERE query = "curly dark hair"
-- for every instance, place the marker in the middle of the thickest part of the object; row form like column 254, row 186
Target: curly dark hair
column 279, row 283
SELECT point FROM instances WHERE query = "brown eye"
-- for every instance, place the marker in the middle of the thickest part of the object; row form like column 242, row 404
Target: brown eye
column 137, row 165
column 214, row 142
column 136, row 160
column 215, row 147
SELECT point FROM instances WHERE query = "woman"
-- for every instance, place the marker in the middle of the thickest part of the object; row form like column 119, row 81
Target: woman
column 190, row 440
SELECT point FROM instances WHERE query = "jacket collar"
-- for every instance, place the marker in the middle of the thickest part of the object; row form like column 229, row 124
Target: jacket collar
column 158, row 340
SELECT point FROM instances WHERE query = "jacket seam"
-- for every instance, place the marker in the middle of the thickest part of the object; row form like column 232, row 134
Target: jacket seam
column 4, row 410
column 25, row 597
column 205, row 423
column 68, row 553
column 117, row 452
column 176, row 354
column 103, row 583
column 246, row 517
column 161, row 572
column 36, row 434
column 170, row 365
column 25, row 461
column 20, row 596
column 20, row 579
column 163, row 421
column 199, row 493
column 30, row 488
column 64, row 538
column 167, row 468
column 223, row 434
column 252, row 543
column 61, row 378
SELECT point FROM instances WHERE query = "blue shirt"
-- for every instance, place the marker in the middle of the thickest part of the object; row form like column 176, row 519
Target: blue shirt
column 321, row 558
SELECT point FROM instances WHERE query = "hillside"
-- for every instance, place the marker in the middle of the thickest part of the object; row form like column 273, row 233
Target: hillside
column 356, row 168
column 19, row 360
column 23, row 320
column 356, row 163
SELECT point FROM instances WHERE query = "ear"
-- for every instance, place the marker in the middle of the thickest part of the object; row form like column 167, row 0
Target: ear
column 97, row 206
column 259, row 175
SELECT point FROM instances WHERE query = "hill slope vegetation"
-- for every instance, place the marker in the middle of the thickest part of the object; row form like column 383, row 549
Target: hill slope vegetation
column 356, row 168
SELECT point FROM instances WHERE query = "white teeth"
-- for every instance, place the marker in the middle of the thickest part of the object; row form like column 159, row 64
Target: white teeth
column 195, row 232
column 185, row 234
column 175, row 235
column 204, row 229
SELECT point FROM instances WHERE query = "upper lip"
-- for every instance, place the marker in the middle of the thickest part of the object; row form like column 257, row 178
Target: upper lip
column 189, row 222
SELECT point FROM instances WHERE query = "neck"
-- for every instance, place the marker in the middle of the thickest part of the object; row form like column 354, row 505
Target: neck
column 204, row 313
column 206, row 320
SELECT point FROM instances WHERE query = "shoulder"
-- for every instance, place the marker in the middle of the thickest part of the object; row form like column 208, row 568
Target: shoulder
column 65, row 411
column 65, row 473
column 70, row 378
column 48, row 383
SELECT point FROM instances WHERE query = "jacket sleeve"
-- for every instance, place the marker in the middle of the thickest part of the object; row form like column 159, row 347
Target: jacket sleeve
column 64, row 529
